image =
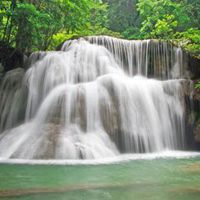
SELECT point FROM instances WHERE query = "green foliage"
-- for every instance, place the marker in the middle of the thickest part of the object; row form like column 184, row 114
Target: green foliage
column 28, row 19
column 6, row 12
column 124, row 17
column 189, row 40
column 193, row 10
column 59, row 38
column 132, row 33
column 162, row 18
column 197, row 85
column 62, row 36
column 99, row 15
column 31, row 25
column 95, row 23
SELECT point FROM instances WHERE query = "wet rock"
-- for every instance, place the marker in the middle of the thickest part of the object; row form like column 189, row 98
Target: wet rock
column 48, row 145
column 192, row 97
column 10, row 57
column 194, row 66
column 12, row 99
column 197, row 132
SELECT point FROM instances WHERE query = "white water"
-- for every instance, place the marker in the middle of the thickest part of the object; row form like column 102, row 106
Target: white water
column 92, row 102
column 105, row 161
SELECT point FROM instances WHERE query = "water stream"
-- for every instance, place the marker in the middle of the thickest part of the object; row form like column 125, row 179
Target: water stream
column 99, row 97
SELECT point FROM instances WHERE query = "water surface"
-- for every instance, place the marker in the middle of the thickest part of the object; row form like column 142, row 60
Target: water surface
column 155, row 179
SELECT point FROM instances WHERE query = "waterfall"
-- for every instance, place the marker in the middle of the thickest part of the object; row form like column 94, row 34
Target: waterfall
column 97, row 97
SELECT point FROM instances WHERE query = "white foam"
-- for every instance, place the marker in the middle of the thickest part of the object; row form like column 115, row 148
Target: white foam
column 106, row 161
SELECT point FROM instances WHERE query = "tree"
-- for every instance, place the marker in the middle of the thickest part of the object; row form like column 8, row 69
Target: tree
column 193, row 10
column 31, row 24
column 6, row 18
column 96, row 23
column 124, row 17
column 162, row 18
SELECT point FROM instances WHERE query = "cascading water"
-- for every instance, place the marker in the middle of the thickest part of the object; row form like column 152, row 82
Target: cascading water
column 94, row 99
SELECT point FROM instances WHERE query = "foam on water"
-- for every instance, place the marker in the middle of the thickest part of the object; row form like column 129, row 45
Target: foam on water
column 105, row 161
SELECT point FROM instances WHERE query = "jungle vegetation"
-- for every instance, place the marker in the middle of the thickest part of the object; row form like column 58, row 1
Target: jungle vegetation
column 31, row 25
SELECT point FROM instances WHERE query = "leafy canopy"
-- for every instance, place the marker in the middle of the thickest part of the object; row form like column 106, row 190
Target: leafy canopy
column 162, row 18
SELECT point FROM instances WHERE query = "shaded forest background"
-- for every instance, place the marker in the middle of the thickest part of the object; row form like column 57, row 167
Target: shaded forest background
column 31, row 25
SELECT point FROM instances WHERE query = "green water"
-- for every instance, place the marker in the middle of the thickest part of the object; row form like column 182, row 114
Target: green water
column 160, row 179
